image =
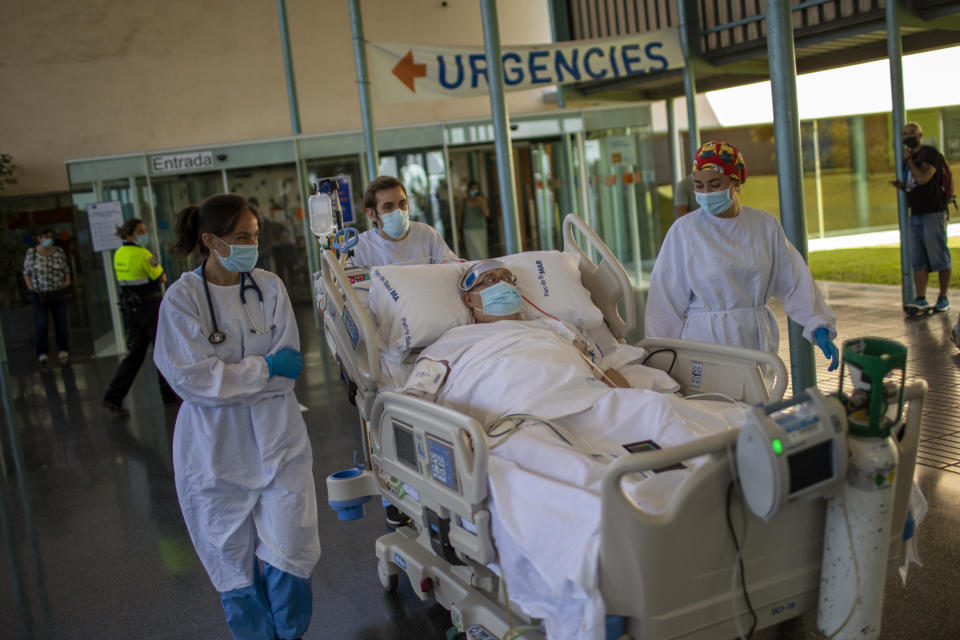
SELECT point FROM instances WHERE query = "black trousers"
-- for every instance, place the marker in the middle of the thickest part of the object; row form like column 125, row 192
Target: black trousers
column 141, row 325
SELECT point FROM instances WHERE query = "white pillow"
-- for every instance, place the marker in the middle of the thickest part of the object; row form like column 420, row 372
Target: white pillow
column 416, row 304
column 551, row 281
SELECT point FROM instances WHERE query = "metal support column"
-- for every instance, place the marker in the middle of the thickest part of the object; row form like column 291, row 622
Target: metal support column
column 688, row 23
column 501, row 128
column 673, row 146
column 786, row 131
column 288, row 67
column 363, row 87
column 895, row 54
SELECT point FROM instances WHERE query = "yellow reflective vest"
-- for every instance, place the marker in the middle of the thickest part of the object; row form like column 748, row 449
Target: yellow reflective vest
column 135, row 265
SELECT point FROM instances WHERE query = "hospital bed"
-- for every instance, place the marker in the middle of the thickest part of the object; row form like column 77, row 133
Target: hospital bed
column 668, row 574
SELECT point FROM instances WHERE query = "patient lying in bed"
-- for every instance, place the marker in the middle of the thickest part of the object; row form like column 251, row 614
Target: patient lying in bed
column 545, row 488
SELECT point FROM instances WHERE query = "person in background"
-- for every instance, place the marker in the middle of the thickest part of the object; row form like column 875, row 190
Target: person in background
column 928, row 218
column 684, row 200
column 472, row 219
column 47, row 275
column 229, row 346
column 720, row 265
column 395, row 239
column 139, row 275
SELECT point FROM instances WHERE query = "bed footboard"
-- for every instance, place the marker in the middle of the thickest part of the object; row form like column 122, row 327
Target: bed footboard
column 670, row 573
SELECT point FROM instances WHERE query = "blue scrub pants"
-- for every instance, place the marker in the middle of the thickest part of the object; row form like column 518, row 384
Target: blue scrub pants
column 276, row 605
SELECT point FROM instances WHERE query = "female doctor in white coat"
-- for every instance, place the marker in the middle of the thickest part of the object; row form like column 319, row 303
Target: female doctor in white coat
column 228, row 344
column 722, row 262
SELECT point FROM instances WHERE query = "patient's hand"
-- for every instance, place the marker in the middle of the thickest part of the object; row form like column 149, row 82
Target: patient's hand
column 615, row 379
column 581, row 347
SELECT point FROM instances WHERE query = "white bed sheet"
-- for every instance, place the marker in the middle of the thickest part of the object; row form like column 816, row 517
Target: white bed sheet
column 545, row 494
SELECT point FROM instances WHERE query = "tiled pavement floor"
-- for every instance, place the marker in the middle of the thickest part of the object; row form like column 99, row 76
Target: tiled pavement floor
column 875, row 310
column 95, row 546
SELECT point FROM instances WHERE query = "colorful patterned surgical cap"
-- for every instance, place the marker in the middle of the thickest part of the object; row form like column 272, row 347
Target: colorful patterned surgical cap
column 723, row 158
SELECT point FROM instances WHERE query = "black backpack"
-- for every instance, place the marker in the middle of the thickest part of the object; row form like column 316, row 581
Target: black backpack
column 945, row 185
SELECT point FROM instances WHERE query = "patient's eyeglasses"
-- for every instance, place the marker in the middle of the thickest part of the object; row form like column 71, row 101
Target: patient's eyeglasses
column 491, row 278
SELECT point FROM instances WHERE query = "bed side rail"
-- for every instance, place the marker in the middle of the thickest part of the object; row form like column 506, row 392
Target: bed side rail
column 431, row 462
column 607, row 282
column 706, row 367
column 348, row 325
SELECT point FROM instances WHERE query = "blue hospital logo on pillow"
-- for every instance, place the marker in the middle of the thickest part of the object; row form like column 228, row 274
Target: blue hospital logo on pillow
column 542, row 278
column 386, row 283
column 407, row 341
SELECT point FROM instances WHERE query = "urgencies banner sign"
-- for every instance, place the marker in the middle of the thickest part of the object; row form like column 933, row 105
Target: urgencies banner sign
column 407, row 73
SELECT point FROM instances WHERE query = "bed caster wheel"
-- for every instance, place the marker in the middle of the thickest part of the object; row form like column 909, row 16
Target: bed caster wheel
column 388, row 581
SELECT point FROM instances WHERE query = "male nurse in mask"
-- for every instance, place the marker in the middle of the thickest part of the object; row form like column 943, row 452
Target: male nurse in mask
column 721, row 263
column 394, row 238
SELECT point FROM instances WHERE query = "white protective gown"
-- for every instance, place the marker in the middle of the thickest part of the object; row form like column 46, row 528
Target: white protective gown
column 241, row 455
column 714, row 276
column 423, row 245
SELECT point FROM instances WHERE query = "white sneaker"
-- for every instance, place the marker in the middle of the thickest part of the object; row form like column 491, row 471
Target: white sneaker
column 42, row 360
column 64, row 357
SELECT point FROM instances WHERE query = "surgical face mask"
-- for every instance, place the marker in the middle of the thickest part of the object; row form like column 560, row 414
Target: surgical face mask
column 911, row 143
column 715, row 202
column 396, row 223
column 143, row 240
column 242, row 259
column 46, row 242
column 474, row 192
column 501, row 299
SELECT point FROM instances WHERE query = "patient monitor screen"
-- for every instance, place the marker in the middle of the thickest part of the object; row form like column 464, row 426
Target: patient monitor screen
column 811, row 466
column 406, row 450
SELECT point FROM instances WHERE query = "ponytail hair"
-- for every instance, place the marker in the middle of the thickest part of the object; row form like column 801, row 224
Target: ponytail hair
column 217, row 214
column 128, row 228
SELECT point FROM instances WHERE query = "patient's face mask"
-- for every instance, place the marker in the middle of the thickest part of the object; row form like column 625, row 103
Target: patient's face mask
column 501, row 299
column 396, row 223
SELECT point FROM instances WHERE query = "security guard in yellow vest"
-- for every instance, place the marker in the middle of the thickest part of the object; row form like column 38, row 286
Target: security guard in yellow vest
column 139, row 275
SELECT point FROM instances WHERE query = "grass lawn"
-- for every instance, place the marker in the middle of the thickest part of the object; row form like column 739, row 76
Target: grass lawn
column 878, row 265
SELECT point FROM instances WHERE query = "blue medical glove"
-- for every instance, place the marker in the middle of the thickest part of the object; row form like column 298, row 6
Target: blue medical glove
column 286, row 362
column 822, row 336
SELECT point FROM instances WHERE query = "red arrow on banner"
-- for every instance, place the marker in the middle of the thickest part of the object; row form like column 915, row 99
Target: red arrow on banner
column 406, row 70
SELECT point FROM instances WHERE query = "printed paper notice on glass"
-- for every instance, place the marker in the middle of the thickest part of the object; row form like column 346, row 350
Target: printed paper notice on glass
column 104, row 218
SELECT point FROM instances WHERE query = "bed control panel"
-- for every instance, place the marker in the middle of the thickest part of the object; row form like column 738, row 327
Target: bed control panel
column 438, row 455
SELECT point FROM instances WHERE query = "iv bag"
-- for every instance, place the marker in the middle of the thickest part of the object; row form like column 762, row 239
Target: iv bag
column 321, row 215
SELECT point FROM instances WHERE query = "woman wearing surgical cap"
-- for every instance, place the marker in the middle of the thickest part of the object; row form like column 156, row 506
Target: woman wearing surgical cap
column 721, row 263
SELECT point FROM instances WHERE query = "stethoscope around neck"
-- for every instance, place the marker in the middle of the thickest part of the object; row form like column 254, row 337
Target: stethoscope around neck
column 246, row 282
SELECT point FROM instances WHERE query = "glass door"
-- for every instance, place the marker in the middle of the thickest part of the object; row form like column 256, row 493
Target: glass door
column 424, row 175
column 275, row 191
column 171, row 194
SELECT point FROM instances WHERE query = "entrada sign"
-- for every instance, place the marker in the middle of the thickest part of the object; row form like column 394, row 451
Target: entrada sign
column 181, row 162
column 403, row 72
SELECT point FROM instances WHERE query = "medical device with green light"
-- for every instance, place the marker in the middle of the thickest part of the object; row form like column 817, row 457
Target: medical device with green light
column 791, row 450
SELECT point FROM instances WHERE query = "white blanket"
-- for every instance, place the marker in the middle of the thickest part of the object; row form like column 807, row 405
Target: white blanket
column 546, row 494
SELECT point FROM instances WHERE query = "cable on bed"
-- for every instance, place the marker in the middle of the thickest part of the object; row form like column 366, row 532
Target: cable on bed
column 664, row 350
column 569, row 438
column 743, row 578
